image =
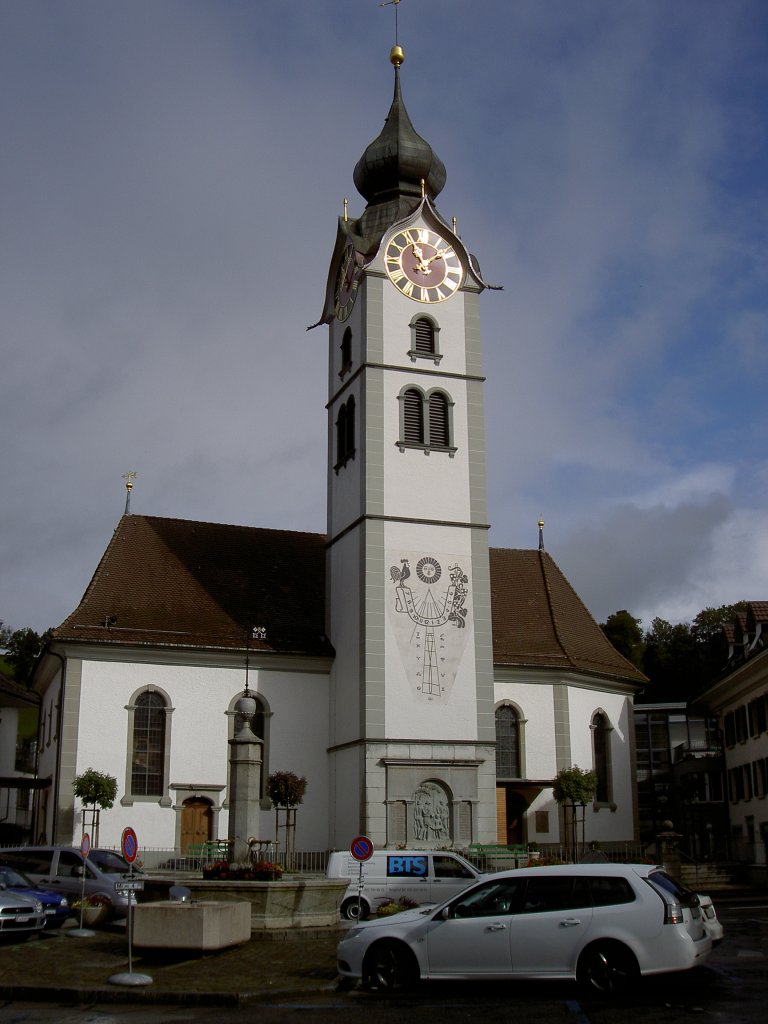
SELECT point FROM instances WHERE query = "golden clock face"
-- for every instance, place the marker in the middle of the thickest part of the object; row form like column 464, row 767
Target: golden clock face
column 423, row 265
column 345, row 290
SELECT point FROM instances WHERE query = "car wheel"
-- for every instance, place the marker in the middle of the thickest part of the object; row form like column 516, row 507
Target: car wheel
column 608, row 968
column 354, row 909
column 390, row 965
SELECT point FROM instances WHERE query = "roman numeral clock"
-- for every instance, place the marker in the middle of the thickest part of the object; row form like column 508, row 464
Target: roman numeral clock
column 423, row 265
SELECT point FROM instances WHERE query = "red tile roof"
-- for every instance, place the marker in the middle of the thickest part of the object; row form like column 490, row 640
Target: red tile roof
column 173, row 582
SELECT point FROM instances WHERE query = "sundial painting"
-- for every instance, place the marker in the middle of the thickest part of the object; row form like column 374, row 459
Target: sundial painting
column 429, row 610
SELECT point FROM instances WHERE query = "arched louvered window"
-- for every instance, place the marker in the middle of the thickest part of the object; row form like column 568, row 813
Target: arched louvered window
column 148, row 745
column 601, row 758
column 507, row 743
column 413, row 416
column 439, row 434
column 424, row 337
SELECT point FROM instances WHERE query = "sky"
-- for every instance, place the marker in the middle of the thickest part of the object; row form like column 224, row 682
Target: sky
column 171, row 174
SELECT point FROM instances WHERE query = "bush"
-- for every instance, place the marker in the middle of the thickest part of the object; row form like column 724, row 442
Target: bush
column 391, row 906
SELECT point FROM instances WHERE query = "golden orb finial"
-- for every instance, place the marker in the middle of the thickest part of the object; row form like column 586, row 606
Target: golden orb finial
column 396, row 56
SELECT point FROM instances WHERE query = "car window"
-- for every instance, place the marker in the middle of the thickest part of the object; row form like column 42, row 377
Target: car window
column 607, row 892
column 449, row 867
column 35, row 862
column 489, row 899
column 661, row 880
column 562, row 892
column 10, row 876
column 69, row 864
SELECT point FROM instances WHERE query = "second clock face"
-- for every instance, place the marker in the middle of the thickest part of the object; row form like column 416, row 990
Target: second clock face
column 423, row 265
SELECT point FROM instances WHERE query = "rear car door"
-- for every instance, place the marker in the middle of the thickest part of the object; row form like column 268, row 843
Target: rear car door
column 551, row 927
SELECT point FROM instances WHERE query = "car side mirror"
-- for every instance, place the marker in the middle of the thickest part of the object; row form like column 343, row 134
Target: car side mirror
column 446, row 914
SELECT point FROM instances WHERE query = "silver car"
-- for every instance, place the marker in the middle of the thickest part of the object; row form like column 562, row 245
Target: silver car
column 20, row 915
column 62, row 869
column 603, row 924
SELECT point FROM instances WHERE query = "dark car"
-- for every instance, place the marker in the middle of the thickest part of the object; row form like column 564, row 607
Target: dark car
column 55, row 904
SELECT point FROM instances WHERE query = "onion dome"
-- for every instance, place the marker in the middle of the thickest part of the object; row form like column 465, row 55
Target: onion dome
column 398, row 160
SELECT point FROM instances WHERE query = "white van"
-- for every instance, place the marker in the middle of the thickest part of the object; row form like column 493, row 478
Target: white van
column 424, row 876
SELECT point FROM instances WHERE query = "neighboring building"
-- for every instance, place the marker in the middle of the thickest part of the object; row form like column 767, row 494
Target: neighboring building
column 18, row 756
column 429, row 689
column 739, row 699
column 680, row 775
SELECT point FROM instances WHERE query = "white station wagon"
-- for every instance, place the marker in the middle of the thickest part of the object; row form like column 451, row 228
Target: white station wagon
column 603, row 924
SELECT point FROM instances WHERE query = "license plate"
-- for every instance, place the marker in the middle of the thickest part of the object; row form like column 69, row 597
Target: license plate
column 50, row 911
column 22, row 920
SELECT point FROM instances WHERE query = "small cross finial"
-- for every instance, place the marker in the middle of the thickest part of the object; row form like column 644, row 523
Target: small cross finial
column 395, row 4
column 129, row 477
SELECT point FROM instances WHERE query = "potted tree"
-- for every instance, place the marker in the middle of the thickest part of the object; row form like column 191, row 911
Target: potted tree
column 97, row 791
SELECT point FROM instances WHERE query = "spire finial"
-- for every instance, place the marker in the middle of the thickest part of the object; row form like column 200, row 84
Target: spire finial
column 129, row 477
column 541, row 534
column 396, row 54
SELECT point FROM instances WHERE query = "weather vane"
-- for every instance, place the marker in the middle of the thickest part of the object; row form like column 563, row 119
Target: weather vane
column 395, row 4
column 129, row 477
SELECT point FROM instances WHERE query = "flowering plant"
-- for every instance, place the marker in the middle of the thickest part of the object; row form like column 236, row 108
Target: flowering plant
column 261, row 871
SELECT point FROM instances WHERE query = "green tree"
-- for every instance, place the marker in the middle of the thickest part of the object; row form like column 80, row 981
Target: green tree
column 97, row 791
column 23, row 647
column 626, row 634
column 572, row 788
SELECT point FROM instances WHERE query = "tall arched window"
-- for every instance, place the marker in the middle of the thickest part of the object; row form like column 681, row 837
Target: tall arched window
column 413, row 416
column 507, row 743
column 601, row 757
column 148, row 759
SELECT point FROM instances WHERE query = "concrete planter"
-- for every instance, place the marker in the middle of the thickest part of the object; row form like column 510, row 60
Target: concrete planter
column 200, row 926
column 295, row 902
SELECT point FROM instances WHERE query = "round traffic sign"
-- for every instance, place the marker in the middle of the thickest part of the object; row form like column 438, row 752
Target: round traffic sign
column 129, row 844
column 85, row 845
column 361, row 848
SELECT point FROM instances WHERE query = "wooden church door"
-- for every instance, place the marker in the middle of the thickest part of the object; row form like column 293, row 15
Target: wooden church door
column 196, row 819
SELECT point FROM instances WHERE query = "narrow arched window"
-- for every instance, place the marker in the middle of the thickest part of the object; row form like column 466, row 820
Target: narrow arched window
column 345, row 433
column 346, row 351
column 148, row 757
column 601, row 759
column 439, row 434
column 413, row 416
column 507, row 743
column 424, row 337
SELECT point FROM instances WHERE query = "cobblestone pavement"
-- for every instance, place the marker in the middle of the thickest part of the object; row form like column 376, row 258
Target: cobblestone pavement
column 55, row 965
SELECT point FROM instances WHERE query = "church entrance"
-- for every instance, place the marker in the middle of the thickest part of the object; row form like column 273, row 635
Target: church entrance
column 196, row 822
column 510, row 814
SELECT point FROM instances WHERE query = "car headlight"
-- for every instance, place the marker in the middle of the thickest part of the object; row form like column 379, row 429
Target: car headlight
column 64, row 902
column 38, row 907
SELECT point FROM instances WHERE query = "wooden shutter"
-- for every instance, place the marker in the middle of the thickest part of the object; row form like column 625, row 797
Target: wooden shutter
column 413, row 417
column 438, row 420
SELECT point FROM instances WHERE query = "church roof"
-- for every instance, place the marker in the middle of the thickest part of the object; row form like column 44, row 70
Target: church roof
column 179, row 583
column 539, row 621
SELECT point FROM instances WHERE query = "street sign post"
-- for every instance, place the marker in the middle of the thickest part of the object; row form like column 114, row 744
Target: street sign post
column 129, row 844
column 82, row 933
column 361, row 849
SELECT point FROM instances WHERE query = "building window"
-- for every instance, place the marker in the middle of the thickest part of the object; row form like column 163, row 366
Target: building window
column 507, row 743
column 426, row 420
column 346, row 352
column 601, row 757
column 424, row 339
column 345, row 433
column 148, row 760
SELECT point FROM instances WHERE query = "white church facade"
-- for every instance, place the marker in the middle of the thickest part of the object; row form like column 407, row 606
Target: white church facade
column 428, row 687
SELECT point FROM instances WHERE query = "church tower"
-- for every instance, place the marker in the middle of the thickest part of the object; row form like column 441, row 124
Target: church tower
column 408, row 594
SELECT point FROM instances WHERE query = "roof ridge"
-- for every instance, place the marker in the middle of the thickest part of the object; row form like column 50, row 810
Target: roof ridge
column 550, row 604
